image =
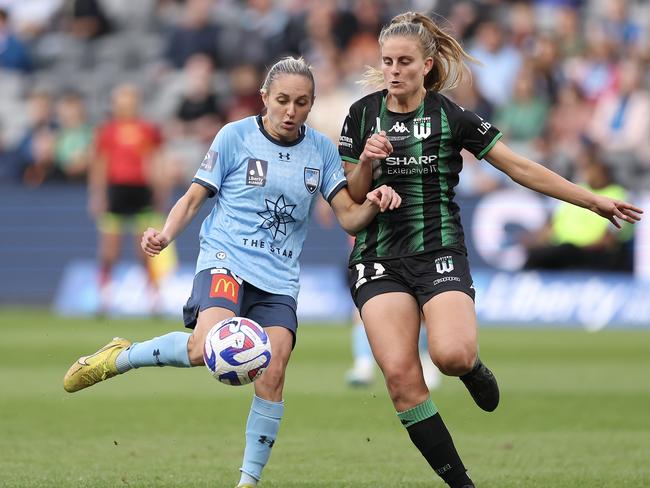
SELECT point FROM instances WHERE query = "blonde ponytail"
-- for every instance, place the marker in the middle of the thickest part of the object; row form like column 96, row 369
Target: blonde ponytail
column 449, row 58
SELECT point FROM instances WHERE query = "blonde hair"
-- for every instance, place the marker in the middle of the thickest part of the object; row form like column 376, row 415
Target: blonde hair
column 289, row 66
column 449, row 68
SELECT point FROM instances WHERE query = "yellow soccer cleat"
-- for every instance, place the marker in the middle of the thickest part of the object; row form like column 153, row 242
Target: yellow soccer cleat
column 99, row 366
column 246, row 485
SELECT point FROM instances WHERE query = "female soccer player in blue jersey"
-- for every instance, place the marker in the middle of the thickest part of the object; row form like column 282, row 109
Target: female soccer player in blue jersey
column 265, row 173
column 410, row 136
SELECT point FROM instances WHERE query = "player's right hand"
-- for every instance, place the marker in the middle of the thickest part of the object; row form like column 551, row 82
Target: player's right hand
column 377, row 147
column 153, row 242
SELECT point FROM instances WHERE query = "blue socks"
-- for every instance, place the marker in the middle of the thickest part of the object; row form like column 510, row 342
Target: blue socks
column 167, row 350
column 261, row 430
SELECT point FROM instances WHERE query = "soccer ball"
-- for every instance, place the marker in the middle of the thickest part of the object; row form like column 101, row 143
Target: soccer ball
column 237, row 351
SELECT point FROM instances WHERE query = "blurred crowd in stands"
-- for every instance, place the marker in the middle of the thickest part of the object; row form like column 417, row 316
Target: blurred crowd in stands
column 566, row 81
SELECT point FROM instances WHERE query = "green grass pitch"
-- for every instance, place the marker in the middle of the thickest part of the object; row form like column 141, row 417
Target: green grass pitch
column 575, row 412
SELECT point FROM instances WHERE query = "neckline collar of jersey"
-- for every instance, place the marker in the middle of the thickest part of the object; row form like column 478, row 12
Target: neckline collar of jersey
column 260, row 126
column 385, row 97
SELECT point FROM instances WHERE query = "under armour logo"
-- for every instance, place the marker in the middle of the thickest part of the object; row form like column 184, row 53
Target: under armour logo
column 266, row 440
column 156, row 354
column 285, row 156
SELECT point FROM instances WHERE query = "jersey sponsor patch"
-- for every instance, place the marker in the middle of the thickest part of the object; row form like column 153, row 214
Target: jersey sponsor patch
column 256, row 172
column 224, row 286
column 209, row 160
column 312, row 179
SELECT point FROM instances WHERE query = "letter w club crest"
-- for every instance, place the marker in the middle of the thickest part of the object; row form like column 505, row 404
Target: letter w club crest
column 422, row 127
column 444, row 264
column 312, row 179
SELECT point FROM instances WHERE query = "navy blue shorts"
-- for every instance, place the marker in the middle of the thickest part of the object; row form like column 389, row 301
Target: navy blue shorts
column 219, row 287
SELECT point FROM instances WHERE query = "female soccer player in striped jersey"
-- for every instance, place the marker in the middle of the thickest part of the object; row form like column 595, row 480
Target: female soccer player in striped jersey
column 413, row 261
column 265, row 173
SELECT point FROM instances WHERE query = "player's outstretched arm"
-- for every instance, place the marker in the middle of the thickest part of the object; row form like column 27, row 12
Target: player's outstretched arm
column 536, row 177
column 354, row 217
column 181, row 214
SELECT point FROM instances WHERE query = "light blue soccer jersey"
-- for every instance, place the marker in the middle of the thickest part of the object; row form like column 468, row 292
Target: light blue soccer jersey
column 265, row 193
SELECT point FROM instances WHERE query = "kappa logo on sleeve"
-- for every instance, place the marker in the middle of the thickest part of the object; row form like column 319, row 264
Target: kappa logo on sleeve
column 256, row 172
column 209, row 160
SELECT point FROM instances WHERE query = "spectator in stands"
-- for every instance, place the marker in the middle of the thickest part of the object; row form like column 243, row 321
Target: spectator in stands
column 522, row 27
column 500, row 62
column 73, row 138
column 566, row 26
column 88, row 21
column 547, row 63
column 622, row 28
column 595, row 69
column 14, row 54
column 198, row 113
column 523, row 117
column 331, row 105
column 312, row 35
column 566, row 123
column 10, row 168
column 244, row 99
column 464, row 17
column 478, row 176
column 621, row 126
column 362, row 51
column 122, row 183
column 576, row 238
column 36, row 146
column 32, row 19
column 262, row 28
column 369, row 17
column 195, row 33
column 198, row 116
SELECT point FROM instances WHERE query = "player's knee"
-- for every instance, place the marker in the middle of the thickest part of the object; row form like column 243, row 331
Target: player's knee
column 273, row 378
column 400, row 381
column 455, row 361
column 195, row 350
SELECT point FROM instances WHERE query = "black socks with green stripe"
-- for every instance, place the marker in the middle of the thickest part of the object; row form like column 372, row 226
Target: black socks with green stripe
column 429, row 434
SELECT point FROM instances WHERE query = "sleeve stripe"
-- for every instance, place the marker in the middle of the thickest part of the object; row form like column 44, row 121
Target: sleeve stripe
column 489, row 146
column 350, row 160
column 212, row 190
column 342, row 184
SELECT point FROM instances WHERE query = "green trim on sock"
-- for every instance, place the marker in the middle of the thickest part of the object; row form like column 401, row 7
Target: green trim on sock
column 418, row 413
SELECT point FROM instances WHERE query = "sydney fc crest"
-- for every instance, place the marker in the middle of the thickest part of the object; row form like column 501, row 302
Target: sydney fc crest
column 312, row 179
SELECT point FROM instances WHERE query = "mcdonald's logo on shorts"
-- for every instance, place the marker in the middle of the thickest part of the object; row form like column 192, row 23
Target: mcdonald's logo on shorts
column 224, row 286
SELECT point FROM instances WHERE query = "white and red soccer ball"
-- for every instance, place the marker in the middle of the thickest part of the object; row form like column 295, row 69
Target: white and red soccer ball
column 237, row 351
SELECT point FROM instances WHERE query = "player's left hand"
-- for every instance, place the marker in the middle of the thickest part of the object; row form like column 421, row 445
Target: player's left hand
column 615, row 210
column 385, row 198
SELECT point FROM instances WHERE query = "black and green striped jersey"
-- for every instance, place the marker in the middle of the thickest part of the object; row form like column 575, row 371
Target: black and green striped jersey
column 423, row 168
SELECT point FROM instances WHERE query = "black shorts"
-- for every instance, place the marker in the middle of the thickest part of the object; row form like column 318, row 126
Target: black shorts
column 219, row 287
column 129, row 200
column 423, row 276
